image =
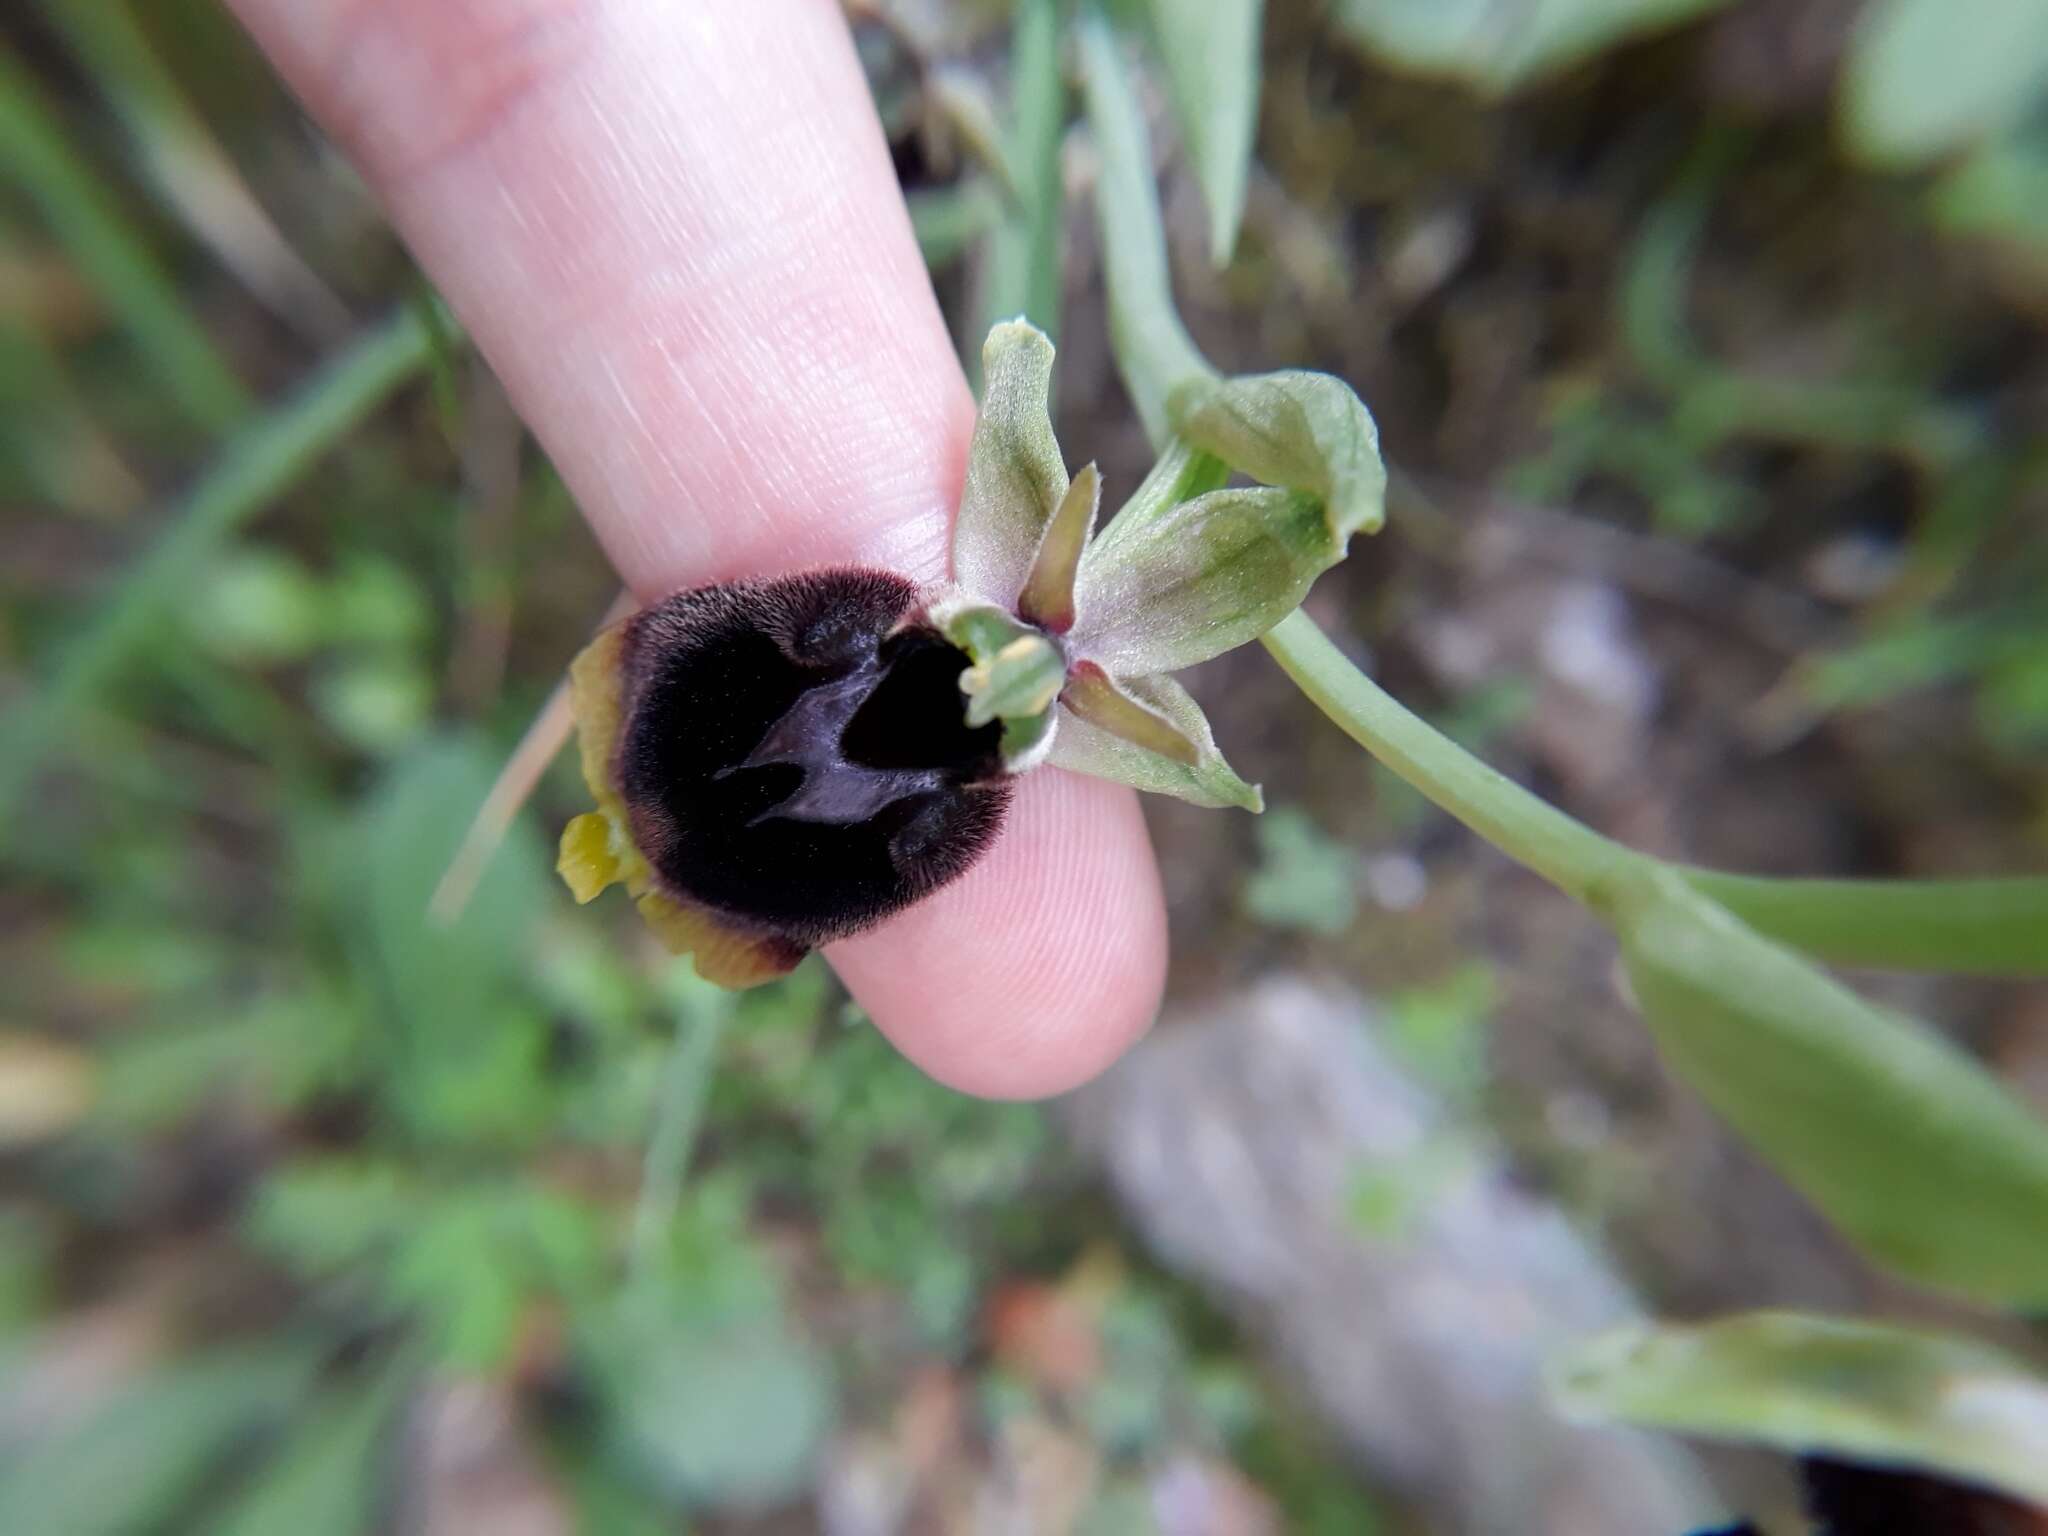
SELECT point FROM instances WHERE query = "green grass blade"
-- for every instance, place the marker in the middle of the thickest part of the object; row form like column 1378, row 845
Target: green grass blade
column 1022, row 271
column 1154, row 352
column 133, row 1465
column 1211, row 52
column 327, row 1481
column 1983, row 927
column 257, row 467
column 186, row 164
column 1823, row 1386
column 114, row 254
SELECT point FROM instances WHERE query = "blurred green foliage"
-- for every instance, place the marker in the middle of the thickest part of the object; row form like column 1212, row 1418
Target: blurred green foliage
column 518, row 1149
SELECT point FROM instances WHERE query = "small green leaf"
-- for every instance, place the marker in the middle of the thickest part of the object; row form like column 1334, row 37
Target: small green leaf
column 1824, row 1386
column 1211, row 51
column 1927, row 77
column 1498, row 45
column 1306, row 431
column 1085, row 746
column 1919, row 1154
column 2001, row 191
column 1305, row 879
column 1015, row 475
column 1199, row 578
column 1048, row 599
column 730, row 1416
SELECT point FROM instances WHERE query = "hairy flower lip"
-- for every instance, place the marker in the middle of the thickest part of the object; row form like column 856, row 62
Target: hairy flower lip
column 778, row 763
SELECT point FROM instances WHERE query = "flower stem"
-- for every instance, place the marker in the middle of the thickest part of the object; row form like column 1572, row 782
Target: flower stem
column 1565, row 852
column 1993, row 927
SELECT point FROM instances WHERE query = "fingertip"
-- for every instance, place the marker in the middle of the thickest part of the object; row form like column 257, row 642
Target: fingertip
column 1038, row 968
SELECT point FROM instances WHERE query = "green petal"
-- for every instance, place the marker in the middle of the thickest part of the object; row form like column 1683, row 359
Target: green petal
column 1015, row 475
column 1093, row 744
column 1824, row 1386
column 1307, row 431
column 1048, row 599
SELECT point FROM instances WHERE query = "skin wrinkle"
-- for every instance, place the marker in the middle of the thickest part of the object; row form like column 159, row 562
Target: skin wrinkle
column 686, row 255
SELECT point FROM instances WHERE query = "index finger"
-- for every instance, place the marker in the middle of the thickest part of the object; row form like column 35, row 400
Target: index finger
column 675, row 232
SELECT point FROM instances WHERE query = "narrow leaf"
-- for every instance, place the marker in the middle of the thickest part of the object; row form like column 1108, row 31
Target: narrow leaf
column 1198, row 578
column 1498, row 45
column 1048, row 599
column 1015, row 475
column 1153, row 351
column 1211, row 51
column 1085, row 746
column 327, row 1481
column 255, row 469
column 1917, row 1152
column 1021, row 272
column 1824, row 1386
column 1924, row 78
column 1984, row 927
column 116, row 256
column 136, row 1464
column 1306, row 431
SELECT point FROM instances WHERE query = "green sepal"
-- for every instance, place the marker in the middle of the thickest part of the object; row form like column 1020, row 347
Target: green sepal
column 1819, row 1386
column 1015, row 475
column 1085, row 746
column 1197, row 578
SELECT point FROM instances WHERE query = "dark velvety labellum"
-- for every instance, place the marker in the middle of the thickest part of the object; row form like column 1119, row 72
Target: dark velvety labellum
column 795, row 753
column 1851, row 1499
column 1847, row 1498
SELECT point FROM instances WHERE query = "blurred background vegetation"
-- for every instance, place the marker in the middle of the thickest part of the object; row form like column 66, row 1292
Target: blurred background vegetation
column 1707, row 340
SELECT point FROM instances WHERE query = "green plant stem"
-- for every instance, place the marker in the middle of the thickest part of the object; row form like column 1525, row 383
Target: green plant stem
column 257, row 467
column 115, row 255
column 1570, row 855
column 193, row 174
column 1153, row 349
column 1990, row 927
column 1021, row 272
column 1987, row 927
column 685, row 1084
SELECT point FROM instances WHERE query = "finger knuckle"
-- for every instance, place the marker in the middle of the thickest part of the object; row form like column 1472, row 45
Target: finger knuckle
column 416, row 84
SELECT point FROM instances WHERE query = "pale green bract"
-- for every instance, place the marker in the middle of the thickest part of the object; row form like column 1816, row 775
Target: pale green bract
column 1070, row 631
column 1820, row 1386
